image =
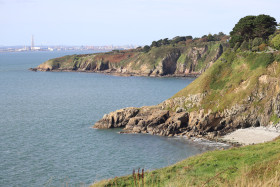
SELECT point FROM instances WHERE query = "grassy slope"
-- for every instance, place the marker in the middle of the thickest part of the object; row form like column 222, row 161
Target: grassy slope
column 255, row 165
column 233, row 78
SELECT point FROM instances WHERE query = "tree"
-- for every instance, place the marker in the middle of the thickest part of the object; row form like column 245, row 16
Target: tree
column 160, row 42
column 257, row 41
column 146, row 48
column 235, row 39
column 244, row 46
column 264, row 26
column 154, row 44
column 178, row 39
column 244, row 28
column 165, row 41
column 210, row 37
column 250, row 27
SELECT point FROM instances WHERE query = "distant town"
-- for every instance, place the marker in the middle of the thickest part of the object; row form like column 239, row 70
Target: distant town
column 64, row 48
column 33, row 47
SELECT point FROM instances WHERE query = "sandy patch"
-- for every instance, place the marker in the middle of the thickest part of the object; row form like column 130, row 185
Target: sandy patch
column 253, row 135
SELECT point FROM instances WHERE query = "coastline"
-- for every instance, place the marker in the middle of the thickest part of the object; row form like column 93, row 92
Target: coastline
column 237, row 138
column 121, row 74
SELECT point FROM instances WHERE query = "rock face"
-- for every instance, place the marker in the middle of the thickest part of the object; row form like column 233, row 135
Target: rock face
column 167, row 66
column 157, row 120
column 164, row 61
column 118, row 118
column 153, row 120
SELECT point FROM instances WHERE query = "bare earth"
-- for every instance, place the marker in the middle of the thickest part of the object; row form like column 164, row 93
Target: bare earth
column 253, row 135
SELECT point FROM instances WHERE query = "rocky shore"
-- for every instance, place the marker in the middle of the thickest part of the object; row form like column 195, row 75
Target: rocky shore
column 157, row 120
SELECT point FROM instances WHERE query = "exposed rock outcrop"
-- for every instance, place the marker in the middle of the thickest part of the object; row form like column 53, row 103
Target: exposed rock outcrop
column 153, row 120
column 118, row 118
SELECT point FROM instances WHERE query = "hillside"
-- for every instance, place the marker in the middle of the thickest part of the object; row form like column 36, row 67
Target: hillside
column 180, row 59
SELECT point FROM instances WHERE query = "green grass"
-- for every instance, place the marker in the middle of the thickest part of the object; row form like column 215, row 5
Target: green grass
column 233, row 78
column 215, row 168
column 259, row 60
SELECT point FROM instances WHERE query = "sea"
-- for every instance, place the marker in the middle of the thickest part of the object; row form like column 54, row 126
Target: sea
column 46, row 119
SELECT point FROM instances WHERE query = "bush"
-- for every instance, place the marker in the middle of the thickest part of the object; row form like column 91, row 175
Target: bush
column 235, row 39
column 146, row 48
column 262, row 47
column 277, row 57
column 210, row 38
column 254, row 49
column 244, row 46
column 236, row 46
column 257, row 42
column 276, row 42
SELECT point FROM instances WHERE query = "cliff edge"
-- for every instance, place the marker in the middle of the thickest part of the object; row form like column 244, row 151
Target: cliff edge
column 167, row 60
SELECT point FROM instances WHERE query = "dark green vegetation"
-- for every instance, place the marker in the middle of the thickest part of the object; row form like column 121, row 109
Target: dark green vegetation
column 186, row 39
column 255, row 165
column 276, row 41
column 252, row 31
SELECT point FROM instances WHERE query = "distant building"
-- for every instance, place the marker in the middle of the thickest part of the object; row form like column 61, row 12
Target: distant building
column 32, row 43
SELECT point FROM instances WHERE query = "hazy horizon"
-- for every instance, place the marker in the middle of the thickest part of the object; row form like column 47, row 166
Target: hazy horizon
column 122, row 22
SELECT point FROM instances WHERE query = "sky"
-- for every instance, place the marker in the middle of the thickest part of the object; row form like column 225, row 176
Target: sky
column 121, row 22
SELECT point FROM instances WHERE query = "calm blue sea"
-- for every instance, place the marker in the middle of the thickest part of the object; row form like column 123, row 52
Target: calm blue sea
column 46, row 118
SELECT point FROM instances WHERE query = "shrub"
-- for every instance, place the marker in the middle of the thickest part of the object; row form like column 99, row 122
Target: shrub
column 244, row 46
column 254, row 49
column 257, row 42
column 276, row 42
column 262, row 47
column 236, row 46
column 210, row 37
column 277, row 57
column 146, row 48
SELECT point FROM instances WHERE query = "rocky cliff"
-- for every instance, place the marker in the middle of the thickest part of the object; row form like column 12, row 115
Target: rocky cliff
column 169, row 60
column 238, row 91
